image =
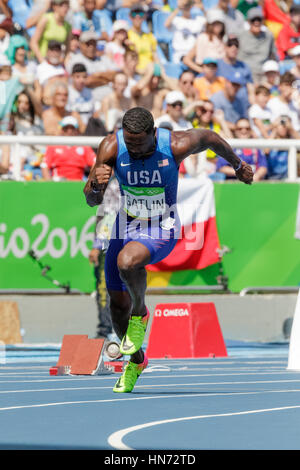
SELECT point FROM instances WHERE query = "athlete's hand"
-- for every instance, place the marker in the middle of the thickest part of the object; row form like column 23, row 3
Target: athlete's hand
column 103, row 173
column 245, row 173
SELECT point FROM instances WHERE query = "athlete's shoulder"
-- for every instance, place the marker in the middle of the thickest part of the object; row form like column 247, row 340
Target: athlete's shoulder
column 108, row 149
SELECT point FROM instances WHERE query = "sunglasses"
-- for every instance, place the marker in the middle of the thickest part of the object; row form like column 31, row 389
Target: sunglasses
column 207, row 111
column 256, row 19
column 243, row 129
column 141, row 14
column 178, row 103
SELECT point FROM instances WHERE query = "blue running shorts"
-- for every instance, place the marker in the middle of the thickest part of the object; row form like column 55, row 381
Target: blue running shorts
column 159, row 236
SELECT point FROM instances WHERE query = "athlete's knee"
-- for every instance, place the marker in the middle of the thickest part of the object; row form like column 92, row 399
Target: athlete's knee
column 132, row 258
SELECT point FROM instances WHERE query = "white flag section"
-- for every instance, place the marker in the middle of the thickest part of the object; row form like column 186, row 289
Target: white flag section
column 198, row 245
column 294, row 348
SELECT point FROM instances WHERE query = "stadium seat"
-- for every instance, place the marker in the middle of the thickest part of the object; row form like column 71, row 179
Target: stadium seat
column 21, row 10
column 173, row 70
column 285, row 66
column 105, row 20
column 161, row 55
column 123, row 14
column 161, row 33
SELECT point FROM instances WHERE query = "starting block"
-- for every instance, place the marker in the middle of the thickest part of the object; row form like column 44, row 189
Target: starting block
column 185, row 330
column 80, row 355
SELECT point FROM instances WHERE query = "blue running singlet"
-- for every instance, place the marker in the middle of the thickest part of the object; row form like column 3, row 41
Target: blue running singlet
column 148, row 212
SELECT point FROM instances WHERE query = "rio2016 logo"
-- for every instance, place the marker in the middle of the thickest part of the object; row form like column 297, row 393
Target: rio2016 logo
column 56, row 242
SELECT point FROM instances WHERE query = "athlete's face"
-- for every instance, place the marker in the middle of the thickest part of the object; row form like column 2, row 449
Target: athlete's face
column 141, row 145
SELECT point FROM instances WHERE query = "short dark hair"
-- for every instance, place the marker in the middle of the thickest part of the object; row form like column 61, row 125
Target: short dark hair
column 77, row 68
column 260, row 89
column 138, row 120
column 287, row 78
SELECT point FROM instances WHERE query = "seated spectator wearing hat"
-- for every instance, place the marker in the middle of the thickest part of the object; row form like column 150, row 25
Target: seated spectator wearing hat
column 88, row 20
column 233, row 18
column 6, row 30
column 227, row 100
column 254, row 157
column 174, row 112
column 100, row 70
column 184, row 28
column 80, row 98
column 256, row 44
column 63, row 162
column 57, row 111
column 209, row 83
column 17, row 54
column 209, row 43
column 51, row 26
column 289, row 36
column 295, row 55
column 145, row 44
column 260, row 114
column 131, row 59
column 284, row 103
column 116, row 48
column 230, row 64
column 271, row 76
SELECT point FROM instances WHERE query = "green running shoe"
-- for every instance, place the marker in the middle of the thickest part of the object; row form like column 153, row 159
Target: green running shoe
column 134, row 337
column 129, row 377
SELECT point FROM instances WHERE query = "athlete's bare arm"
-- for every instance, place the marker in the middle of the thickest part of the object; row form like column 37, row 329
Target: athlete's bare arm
column 105, row 162
column 185, row 143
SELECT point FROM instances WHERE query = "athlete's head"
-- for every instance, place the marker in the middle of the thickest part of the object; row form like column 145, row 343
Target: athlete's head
column 139, row 132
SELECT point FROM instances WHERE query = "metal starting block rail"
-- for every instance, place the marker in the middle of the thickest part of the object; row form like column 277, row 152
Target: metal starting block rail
column 80, row 355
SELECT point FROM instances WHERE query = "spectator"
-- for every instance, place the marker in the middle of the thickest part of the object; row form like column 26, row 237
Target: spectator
column 26, row 120
column 116, row 48
column 230, row 64
column 10, row 88
column 100, row 70
column 295, row 70
column 51, row 26
column 6, row 30
column 4, row 160
column 116, row 104
column 254, row 157
column 234, row 19
column 80, row 98
column 184, row 28
column 174, row 112
column 228, row 101
column 38, row 9
column 5, row 9
column 149, row 92
column 145, row 44
column 289, row 36
column 17, row 54
column 185, row 84
column 260, row 114
column 256, row 45
column 209, row 43
column 131, row 59
column 209, row 83
column 54, row 115
column 284, row 104
column 271, row 76
column 205, row 162
column 74, row 46
column 278, row 159
column 87, row 19
column 64, row 162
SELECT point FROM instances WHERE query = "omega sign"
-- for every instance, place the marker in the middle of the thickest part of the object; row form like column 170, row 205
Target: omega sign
column 174, row 312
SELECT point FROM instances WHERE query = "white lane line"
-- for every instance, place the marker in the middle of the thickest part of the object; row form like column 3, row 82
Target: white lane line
column 148, row 376
column 194, row 384
column 111, row 400
column 115, row 440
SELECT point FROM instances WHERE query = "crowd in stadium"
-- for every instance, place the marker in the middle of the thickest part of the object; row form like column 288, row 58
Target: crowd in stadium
column 73, row 67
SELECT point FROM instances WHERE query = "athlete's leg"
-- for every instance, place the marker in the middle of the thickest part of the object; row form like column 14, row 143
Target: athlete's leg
column 131, row 261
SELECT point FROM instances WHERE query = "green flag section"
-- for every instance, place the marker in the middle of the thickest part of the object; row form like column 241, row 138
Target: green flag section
column 257, row 223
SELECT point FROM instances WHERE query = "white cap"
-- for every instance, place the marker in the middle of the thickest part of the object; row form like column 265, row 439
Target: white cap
column 120, row 24
column 215, row 14
column 69, row 121
column 174, row 96
column 295, row 51
column 270, row 66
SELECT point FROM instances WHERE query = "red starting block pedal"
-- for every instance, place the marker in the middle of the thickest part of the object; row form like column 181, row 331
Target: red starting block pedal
column 80, row 355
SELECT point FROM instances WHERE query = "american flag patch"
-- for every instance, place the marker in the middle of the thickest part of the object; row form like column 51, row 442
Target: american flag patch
column 164, row 162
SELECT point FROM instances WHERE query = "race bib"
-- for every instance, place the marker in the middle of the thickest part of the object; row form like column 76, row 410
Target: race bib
column 144, row 203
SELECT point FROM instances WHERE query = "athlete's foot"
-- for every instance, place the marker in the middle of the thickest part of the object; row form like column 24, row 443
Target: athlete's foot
column 127, row 380
column 135, row 334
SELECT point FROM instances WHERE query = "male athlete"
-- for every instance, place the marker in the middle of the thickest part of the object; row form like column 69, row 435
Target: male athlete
column 146, row 162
